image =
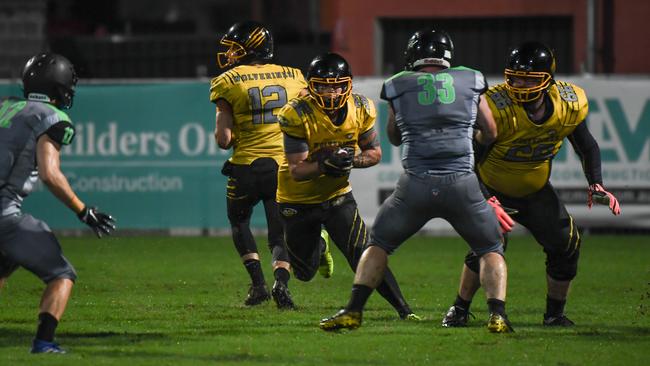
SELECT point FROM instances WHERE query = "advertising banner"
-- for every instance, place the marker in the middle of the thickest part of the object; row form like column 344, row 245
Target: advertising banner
column 144, row 153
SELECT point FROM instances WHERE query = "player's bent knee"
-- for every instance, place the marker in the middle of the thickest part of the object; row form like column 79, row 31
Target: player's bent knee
column 67, row 274
column 561, row 267
column 302, row 275
column 496, row 248
column 472, row 261
column 389, row 249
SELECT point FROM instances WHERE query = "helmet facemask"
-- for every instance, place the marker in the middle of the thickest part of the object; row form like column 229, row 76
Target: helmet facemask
column 539, row 81
column 330, row 93
column 232, row 56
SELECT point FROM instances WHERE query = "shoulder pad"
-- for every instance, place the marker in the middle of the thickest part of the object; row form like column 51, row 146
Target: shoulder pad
column 360, row 101
column 574, row 99
column 301, row 106
column 497, row 96
column 220, row 85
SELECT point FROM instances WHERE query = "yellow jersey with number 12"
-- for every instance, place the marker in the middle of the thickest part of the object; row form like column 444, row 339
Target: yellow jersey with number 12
column 256, row 93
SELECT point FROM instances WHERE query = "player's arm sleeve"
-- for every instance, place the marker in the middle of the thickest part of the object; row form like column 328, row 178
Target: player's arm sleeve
column 587, row 149
column 369, row 139
column 62, row 132
column 294, row 145
column 368, row 114
column 290, row 122
column 388, row 91
column 220, row 88
column 481, row 84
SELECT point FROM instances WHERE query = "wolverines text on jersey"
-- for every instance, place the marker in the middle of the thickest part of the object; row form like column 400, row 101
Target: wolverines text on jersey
column 303, row 119
column 519, row 162
column 256, row 93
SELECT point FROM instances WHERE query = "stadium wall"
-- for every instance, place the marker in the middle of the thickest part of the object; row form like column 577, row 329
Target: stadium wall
column 145, row 152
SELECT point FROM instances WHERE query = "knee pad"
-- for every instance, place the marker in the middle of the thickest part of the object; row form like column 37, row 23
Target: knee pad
column 472, row 259
column 472, row 262
column 563, row 266
column 303, row 274
column 239, row 212
column 243, row 238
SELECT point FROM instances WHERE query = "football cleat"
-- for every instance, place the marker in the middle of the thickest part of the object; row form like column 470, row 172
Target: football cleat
column 456, row 317
column 326, row 265
column 557, row 321
column 282, row 296
column 256, row 295
column 40, row 346
column 498, row 323
column 344, row 319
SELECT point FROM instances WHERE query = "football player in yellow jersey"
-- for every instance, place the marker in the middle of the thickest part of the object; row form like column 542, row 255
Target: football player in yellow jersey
column 534, row 113
column 248, row 97
column 322, row 131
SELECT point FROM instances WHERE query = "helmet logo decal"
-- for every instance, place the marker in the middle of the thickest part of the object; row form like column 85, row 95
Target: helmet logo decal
column 256, row 38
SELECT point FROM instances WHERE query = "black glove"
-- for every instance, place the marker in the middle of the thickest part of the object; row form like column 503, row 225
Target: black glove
column 336, row 163
column 100, row 222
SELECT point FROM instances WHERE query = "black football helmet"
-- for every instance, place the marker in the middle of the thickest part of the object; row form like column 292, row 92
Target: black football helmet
column 530, row 68
column 51, row 78
column 247, row 42
column 429, row 47
column 330, row 80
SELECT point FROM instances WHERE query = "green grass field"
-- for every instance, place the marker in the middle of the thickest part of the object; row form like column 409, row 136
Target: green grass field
column 178, row 301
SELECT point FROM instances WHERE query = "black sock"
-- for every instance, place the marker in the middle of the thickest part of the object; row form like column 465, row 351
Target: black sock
column 46, row 327
column 282, row 275
column 496, row 306
column 359, row 297
column 255, row 271
column 462, row 304
column 554, row 307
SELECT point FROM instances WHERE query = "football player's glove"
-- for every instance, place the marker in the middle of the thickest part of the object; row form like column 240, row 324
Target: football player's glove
column 100, row 222
column 598, row 194
column 336, row 163
column 505, row 220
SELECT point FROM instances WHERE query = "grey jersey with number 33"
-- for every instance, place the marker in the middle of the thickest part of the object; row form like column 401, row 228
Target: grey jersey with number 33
column 435, row 113
column 22, row 122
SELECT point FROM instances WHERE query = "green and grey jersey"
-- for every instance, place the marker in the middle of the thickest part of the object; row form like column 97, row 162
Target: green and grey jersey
column 435, row 113
column 22, row 122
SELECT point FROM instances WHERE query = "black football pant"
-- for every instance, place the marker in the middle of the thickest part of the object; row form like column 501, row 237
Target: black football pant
column 547, row 219
column 247, row 186
column 340, row 216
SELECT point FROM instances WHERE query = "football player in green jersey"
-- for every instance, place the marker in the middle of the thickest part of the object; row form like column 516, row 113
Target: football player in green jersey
column 32, row 132
column 534, row 113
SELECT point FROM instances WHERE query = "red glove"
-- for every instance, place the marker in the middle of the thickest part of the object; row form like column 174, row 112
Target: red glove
column 505, row 220
column 599, row 195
